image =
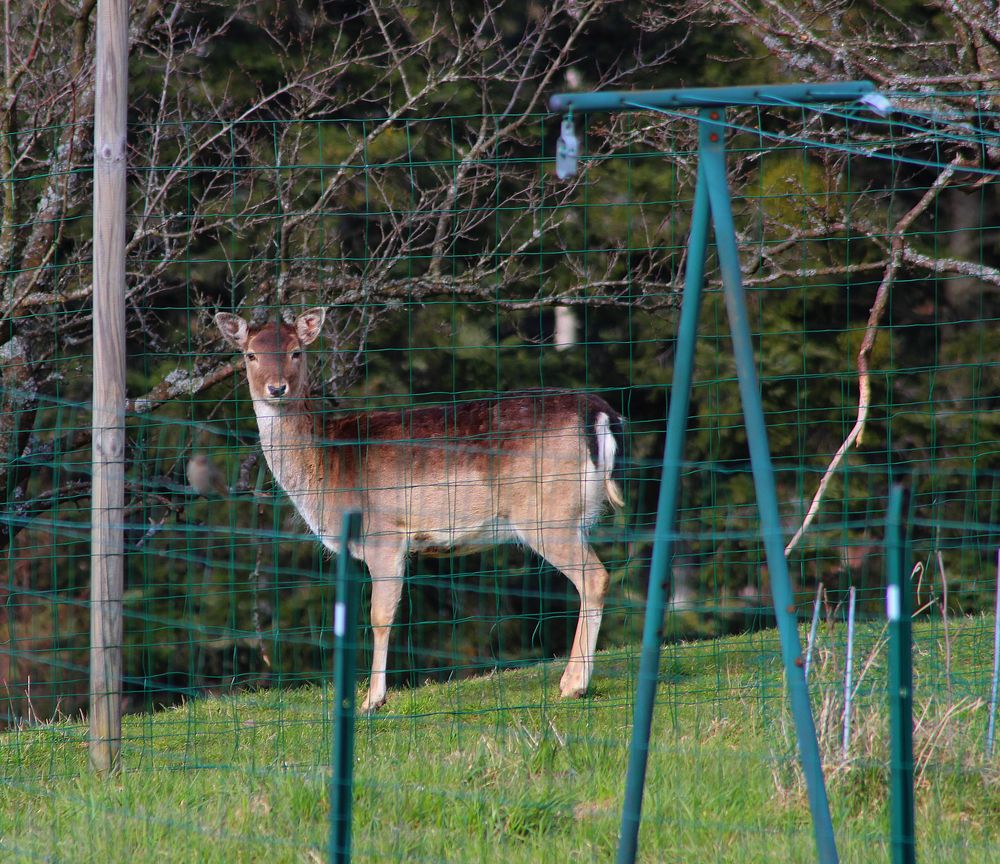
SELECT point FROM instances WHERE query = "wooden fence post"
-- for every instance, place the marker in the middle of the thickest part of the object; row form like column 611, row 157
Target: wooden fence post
column 108, row 496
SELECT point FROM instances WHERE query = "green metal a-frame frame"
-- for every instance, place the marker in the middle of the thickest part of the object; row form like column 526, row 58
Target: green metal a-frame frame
column 712, row 203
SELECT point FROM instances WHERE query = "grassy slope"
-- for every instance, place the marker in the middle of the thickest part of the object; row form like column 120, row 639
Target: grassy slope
column 498, row 769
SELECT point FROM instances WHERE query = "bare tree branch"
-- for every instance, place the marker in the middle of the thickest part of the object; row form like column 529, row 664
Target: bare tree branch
column 856, row 435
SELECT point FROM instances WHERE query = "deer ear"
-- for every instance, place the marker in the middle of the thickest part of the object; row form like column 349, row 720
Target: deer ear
column 309, row 324
column 233, row 329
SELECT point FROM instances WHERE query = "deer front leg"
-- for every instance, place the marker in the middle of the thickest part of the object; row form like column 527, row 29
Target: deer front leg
column 387, row 588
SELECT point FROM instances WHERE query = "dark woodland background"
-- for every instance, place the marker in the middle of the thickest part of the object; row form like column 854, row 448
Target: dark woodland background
column 393, row 162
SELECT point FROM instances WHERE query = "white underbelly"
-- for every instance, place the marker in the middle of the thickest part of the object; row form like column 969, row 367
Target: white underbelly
column 462, row 540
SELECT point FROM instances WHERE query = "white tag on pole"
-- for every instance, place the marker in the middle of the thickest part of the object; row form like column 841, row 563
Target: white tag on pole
column 567, row 149
column 878, row 103
column 892, row 602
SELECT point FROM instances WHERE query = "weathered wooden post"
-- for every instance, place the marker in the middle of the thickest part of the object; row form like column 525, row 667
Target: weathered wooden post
column 108, row 496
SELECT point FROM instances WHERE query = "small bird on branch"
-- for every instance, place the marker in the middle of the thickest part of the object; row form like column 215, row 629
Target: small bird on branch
column 205, row 477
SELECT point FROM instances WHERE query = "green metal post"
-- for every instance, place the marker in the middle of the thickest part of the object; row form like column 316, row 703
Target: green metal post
column 713, row 164
column 712, row 200
column 666, row 519
column 899, row 603
column 345, row 621
column 710, row 97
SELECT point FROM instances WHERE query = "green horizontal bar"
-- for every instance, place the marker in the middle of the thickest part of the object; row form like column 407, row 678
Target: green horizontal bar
column 707, row 97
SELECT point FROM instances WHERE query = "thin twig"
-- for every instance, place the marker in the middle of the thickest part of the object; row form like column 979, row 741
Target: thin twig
column 923, row 758
column 868, row 343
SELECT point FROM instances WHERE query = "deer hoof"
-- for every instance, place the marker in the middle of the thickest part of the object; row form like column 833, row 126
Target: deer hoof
column 372, row 704
column 571, row 687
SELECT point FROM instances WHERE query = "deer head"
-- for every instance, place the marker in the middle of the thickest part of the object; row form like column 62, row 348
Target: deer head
column 275, row 359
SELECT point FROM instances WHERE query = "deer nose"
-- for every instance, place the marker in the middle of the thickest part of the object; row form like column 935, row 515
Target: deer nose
column 277, row 389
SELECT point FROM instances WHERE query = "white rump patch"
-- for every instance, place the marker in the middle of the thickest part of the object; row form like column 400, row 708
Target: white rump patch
column 607, row 447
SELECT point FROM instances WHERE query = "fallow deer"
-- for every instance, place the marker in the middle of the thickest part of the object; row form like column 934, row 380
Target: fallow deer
column 535, row 468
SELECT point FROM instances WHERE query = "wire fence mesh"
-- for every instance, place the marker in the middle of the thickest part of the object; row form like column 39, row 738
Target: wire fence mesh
column 454, row 266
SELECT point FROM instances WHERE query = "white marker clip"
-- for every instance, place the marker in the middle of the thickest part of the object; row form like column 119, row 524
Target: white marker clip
column 878, row 103
column 339, row 619
column 567, row 149
column 892, row 603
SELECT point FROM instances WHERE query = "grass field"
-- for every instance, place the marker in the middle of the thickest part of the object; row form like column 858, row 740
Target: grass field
column 499, row 769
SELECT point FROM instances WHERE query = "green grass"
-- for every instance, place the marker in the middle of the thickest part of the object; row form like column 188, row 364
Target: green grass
column 499, row 769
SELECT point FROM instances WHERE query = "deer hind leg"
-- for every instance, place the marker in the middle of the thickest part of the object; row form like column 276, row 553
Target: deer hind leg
column 386, row 569
column 565, row 551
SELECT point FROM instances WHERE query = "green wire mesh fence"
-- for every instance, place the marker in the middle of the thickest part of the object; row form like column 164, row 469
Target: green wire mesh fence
column 454, row 265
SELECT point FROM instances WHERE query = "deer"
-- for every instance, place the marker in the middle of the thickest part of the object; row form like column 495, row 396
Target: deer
column 535, row 468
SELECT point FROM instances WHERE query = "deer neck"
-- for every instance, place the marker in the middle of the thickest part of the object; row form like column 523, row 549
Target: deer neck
column 288, row 440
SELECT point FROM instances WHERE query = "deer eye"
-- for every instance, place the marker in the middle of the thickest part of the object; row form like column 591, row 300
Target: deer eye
column 296, row 354
column 251, row 356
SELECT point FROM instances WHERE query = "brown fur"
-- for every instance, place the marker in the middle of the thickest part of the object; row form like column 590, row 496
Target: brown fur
column 533, row 467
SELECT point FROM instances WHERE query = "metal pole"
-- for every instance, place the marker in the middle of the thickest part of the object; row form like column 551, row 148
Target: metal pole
column 991, row 721
column 899, row 610
column 849, row 672
column 345, row 627
column 713, row 182
column 713, row 164
column 108, row 460
column 707, row 97
column 810, row 644
column 666, row 520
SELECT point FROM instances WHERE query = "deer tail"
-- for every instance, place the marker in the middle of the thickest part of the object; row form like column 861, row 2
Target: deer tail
column 609, row 432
